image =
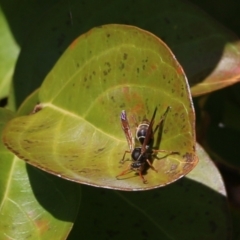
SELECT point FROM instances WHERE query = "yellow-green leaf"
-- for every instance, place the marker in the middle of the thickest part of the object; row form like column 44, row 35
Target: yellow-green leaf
column 77, row 133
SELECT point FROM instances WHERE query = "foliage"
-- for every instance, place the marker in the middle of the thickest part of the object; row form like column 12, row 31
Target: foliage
column 69, row 84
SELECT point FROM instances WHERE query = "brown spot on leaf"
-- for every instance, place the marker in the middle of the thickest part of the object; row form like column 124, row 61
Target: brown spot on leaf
column 173, row 167
column 73, row 44
column 125, row 56
column 28, row 141
column 122, row 105
column 122, row 65
column 100, row 149
column 188, row 157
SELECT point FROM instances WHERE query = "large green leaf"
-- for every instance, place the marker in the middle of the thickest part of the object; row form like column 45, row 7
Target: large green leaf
column 194, row 207
column 33, row 204
column 77, row 134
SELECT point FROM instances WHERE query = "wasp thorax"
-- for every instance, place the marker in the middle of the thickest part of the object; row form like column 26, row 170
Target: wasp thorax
column 142, row 132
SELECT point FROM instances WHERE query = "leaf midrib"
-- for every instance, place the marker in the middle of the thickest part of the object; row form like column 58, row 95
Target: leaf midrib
column 71, row 114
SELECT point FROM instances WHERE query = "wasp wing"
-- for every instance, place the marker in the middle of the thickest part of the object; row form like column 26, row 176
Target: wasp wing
column 127, row 130
column 149, row 132
column 159, row 127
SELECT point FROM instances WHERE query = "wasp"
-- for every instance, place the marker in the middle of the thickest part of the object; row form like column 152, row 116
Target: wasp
column 142, row 154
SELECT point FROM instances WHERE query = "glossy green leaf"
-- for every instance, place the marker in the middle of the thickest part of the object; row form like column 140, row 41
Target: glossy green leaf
column 208, row 52
column 77, row 134
column 33, row 204
column 192, row 208
column 225, row 73
column 207, row 173
column 8, row 55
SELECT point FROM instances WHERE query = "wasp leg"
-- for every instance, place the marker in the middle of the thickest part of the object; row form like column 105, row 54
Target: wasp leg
column 122, row 160
column 161, row 119
column 151, row 166
column 166, row 151
column 141, row 176
column 130, row 170
column 124, row 172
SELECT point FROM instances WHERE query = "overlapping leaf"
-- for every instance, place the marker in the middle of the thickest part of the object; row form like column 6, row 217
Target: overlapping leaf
column 77, row 133
column 33, row 204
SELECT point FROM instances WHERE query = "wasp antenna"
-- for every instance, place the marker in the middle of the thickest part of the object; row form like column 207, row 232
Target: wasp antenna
column 154, row 113
column 166, row 112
